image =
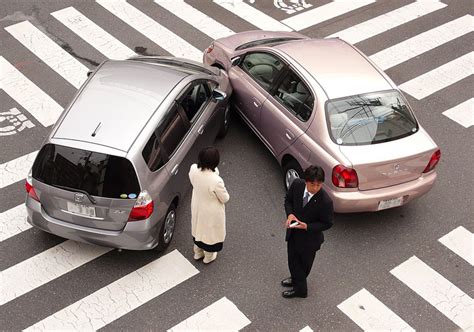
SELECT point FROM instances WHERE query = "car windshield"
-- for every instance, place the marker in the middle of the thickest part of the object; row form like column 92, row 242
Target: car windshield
column 370, row 118
column 97, row 174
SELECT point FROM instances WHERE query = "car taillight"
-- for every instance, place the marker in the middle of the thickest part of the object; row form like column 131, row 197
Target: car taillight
column 209, row 49
column 344, row 177
column 433, row 161
column 29, row 188
column 143, row 207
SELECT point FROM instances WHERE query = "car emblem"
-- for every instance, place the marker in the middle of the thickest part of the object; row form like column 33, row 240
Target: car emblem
column 79, row 197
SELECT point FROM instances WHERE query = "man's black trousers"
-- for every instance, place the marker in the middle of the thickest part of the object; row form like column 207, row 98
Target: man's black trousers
column 300, row 261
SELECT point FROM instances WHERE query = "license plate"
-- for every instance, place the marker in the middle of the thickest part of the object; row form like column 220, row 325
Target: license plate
column 82, row 210
column 390, row 203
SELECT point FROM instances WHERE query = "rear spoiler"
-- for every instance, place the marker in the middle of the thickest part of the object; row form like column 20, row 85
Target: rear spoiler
column 180, row 62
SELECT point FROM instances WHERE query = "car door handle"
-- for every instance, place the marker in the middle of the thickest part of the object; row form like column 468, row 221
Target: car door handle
column 256, row 104
column 175, row 169
column 201, row 129
column 289, row 135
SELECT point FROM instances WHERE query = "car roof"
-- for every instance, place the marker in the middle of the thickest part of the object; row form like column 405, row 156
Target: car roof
column 339, row 68
column 117, row 103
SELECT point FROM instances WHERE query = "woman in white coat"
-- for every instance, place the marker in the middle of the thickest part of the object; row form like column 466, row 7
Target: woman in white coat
column 207, row 206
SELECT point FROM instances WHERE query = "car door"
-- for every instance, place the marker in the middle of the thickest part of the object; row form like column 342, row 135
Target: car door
column 251, row 80
column 286, row 112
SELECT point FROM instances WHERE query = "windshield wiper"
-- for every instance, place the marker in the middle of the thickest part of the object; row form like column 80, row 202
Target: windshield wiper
column 93, row 201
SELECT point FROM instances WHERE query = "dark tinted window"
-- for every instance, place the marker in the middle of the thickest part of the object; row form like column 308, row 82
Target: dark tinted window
column 369, row 119
column 194, row 100
column 293, row 93
column 263, row 67
column 97, row 173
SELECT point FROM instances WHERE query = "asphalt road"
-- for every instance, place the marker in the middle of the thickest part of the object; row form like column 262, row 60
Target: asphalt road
column 360, row 250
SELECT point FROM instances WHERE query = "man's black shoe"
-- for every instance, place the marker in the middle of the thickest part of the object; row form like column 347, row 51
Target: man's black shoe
column 288, row 294
column 287, row 282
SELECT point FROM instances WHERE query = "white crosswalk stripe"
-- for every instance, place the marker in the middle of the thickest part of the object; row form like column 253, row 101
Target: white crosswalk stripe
column 222, row 315
column 461, row 242
column 122, row 296
column 423, row 42
column 438, row 291
column 17, row 169
column 252, row 15
column 49, row 52
column 197, row 19
column 371, row 314
column 13, row 222
column 439, row 78
column 462, row 113
column 387, row 21
column 45, row 267
column 34, row 100
column 157, row 33
column 323, row 13
column 93, row 34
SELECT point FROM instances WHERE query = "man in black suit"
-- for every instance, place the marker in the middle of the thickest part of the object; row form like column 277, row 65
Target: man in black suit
column 309, row 212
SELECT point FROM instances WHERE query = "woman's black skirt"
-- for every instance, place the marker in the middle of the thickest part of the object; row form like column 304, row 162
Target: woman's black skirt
column 209, row 247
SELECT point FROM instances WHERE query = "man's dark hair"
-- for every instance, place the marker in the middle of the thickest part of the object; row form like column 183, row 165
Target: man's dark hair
column 208, row 158
column 314, row 173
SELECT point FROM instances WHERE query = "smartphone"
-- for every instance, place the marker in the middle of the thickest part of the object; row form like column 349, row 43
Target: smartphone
column 295, row 223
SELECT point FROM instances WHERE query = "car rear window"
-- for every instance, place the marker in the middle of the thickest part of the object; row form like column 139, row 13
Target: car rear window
column 370, row 118
column 96, row 173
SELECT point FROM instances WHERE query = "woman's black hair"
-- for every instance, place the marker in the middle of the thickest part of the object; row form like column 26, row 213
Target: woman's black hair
column 208, row 158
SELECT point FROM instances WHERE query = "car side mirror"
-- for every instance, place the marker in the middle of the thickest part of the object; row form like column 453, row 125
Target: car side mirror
column 235, row 61
column 218, row 95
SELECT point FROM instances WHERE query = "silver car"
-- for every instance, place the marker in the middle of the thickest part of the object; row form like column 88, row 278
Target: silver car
column 114, row 167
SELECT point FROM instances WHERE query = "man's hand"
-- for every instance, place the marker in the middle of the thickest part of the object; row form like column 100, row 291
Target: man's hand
column 301, row 225
column 291, row 218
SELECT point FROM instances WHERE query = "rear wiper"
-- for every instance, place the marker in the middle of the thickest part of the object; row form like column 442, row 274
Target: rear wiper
column 93, row 201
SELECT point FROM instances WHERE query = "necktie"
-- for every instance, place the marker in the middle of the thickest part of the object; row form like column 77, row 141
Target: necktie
column 305, row 199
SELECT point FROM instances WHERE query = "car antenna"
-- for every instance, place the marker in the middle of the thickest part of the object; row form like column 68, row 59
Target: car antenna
column 96, row 129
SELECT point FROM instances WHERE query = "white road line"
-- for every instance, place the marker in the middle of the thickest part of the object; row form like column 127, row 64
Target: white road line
column 438, row 291
column 13, row 222
column 16, row 170
column 423, row 42
column 34, row 100
column 45, row 267
column 196, row 18
column 462, row 113
column 461, row 242
column 440, row 78
column 306, row 329
column 222, row 315
column 323, row 13
column 252, row 15
column 49, row 52
column 371, row 314
column 93, row 34
column 151, row 29
column 122, row 296
column 387, row 21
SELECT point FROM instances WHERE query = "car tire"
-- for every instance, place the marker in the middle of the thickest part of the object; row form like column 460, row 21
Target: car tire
column 225, row 125
column 167, row 229
column 291, row 171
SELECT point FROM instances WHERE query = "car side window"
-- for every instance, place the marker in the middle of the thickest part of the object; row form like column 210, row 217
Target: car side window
column 294, row 94
column 171, row 132
column 263, row 67
column 195, row 99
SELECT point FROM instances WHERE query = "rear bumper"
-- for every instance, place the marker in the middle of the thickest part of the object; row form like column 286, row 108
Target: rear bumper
column 136, row 235
column 362, row 201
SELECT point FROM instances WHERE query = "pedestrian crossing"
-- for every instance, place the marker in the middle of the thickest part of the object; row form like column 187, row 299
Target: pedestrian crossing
column 167, row 272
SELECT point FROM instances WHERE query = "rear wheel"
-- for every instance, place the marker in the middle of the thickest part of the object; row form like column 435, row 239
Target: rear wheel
column 292, row 170
column 167, row 229
column 225, row 125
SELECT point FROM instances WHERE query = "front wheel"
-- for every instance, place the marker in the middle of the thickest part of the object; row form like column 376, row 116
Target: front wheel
column 225, row 125
column 167, row 229
column 292, row 170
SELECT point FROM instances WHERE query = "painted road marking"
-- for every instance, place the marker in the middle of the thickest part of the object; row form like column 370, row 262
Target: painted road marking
column 13, row 122
column 462, row 113
column 13, row 222
column 93, row 34
column 461, row 242
column 387, row 21
column 49, row 52
column 371, row 314
column 440, row 78
column 438, row 291
column 196, row 18
column 157, row 33
column 16, row 170
column 122, row 296
column 45, row 267
column 222, row 315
